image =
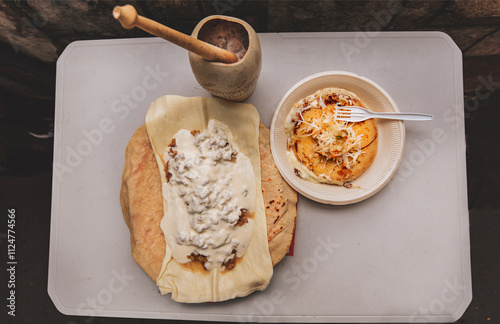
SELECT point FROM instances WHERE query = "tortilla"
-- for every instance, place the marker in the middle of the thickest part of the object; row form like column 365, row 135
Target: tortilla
column 326, row 150
column 280, row 201
column 142, row 205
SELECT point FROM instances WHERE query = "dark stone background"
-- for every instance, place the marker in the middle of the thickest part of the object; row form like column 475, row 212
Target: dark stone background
column 33, row 33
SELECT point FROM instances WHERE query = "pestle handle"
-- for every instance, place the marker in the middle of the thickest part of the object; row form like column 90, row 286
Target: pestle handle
column 128, row 17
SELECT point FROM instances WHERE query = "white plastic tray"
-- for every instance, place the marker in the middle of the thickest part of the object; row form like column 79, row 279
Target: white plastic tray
column 399, row 256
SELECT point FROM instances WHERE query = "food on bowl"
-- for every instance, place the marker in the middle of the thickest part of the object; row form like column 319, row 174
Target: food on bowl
column 324, row 149
column 195, row 194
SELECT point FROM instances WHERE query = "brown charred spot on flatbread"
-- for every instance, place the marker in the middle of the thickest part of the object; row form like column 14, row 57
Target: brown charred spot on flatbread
column 233, row 156
column 276, row 205
column 194, row 132
column 199, row 258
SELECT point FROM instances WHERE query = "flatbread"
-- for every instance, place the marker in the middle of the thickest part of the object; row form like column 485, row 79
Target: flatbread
column 303, row 149
column 280, row 201
column 142, row 203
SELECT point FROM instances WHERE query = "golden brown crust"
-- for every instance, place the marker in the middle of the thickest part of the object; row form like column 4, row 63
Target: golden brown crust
column 142, row 203
column 303, row 148
column 326, row 168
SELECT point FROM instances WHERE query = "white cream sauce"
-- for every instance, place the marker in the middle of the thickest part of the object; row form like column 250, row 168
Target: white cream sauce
column 211, row 184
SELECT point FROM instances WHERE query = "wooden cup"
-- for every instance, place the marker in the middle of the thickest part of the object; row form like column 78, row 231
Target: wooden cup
column 235, row 81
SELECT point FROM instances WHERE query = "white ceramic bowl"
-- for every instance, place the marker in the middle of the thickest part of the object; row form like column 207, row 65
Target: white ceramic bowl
column 391, row 138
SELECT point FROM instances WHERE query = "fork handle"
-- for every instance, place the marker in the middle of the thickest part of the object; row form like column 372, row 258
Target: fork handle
column 403, row 116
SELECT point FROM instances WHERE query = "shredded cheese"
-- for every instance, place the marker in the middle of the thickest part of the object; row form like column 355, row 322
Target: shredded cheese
column 335, row 139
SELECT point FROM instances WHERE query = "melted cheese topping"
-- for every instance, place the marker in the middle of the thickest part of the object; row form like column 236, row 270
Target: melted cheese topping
column 334, row 139
column 212, row 186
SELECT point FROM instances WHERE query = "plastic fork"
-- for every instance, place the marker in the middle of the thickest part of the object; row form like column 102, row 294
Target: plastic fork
column 357, row 114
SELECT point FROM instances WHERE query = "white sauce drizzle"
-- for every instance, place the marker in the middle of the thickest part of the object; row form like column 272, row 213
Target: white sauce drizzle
column 211, row 184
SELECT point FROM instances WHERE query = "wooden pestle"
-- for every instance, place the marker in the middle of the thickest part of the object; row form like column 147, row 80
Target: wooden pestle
column 128, row 17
